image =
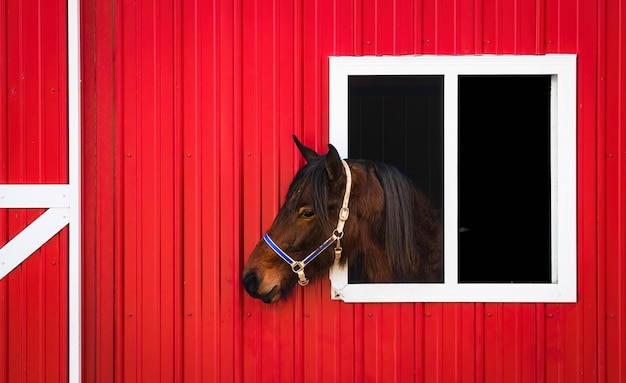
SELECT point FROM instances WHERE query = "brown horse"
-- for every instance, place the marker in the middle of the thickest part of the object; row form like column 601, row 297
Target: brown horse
column 392, row 234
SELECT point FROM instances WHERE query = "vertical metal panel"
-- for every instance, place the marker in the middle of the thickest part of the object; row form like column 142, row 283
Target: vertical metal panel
column 101, row 202
column 191, row 110
column 615, row 182
column 150, row 171
column 586, row 322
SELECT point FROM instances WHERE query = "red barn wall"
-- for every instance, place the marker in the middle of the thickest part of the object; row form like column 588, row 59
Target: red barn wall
column 187, row 113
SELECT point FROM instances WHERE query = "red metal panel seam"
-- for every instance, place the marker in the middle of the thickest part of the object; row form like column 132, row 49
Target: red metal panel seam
column 358, row 39
column 148, row 256
column 104, row 213
column 450, row 325
column 418, row 341
column 170, row 183
column 212, row 268
column 614, row 159
column 489, row 26
column 588, row 203
column 479, row 326
column 201, row 238
column 129, row 219
column 189, row 359
column 118, row 157
column 88, row 153
column 368, row 27
column 446, row 26
column 601, row 287
column 540, row 27
column 467, row 345
column 252, row 189
column 387, row 355
column 231, row 297
column 525, row 27
column 541, row 346
column 459, row 331
column 479, row 23
column 239, row 214
column 551, row 26
column 98, row 322
column 621, row 237
column 507, row 27
column 463, row 27
column 385, row 37
column 430, row 10
column 491, row 338
column 264, row 79
column 169, row 217
column 418, row 26
column 178, row 194
column 404, row 335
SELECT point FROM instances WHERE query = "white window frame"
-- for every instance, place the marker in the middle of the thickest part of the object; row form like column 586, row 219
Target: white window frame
column 562, row 69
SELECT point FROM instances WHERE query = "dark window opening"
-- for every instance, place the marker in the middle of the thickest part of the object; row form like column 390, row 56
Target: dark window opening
column 399, row 120
column 504, row 179
column 504, row 189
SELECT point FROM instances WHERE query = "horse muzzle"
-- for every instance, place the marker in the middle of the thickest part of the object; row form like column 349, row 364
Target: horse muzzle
column 252, row 283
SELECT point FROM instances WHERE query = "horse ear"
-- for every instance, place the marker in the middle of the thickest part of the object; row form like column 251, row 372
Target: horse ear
column 308, row 153
column 334, row 167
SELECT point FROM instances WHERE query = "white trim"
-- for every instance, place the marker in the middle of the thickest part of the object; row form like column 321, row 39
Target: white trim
column 74, row 128
column 562, row 67
column 34, row 195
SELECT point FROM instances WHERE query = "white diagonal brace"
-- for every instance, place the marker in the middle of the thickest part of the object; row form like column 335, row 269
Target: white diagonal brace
column 32, row 238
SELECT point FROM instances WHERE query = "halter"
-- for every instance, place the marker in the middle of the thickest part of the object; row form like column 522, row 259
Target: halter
column 298, row 266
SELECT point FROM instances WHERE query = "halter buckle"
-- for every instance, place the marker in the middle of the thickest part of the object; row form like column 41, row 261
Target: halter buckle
column 344, row 213
column 298, row 267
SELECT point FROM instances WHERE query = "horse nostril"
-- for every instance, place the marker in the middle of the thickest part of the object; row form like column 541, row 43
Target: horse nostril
column 251, row 282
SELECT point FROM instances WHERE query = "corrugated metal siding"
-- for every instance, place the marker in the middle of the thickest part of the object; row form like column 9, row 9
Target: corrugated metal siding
column 33, row 149
column 188, row 110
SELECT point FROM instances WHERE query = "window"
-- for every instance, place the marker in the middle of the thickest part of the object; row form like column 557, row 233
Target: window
column 492, row 142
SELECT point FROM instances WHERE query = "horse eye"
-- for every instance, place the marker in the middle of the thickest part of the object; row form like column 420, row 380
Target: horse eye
column 306, row 213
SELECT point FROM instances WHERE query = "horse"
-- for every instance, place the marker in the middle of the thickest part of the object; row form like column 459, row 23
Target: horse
column 386, row 228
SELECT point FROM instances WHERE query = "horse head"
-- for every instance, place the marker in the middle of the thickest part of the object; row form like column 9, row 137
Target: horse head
column 304, row 223
column 392, row 233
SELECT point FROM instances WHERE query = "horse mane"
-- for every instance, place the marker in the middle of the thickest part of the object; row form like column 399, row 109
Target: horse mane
column 405, row 246
column 412, row 231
